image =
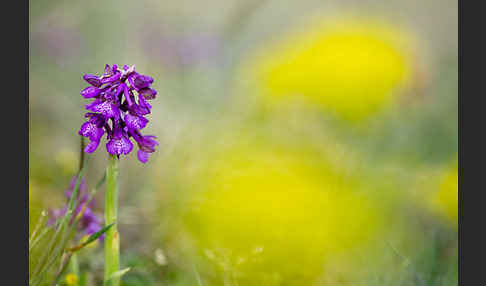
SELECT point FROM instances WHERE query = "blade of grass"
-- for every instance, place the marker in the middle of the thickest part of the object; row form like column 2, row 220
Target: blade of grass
column 38, row 225
column 198, row 277
column 74, row 224
column 58, row 250
column 64, row 220
column 408, row 264
column 39, row 237
column 72, row 227
column 92, row 238
column 62, row 268
column 117, row 275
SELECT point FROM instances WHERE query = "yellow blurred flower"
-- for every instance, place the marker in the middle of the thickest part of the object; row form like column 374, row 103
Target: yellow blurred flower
column 349, row 68
column 268, row 215
column 71, row 279
column 437, row 193
column 446, row 199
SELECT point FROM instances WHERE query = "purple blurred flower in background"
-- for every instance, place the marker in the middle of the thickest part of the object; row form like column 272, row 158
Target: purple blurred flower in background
column 58, row 41
column 120, row 98
column 181, row 51
column 197, row 48
column 89, row 223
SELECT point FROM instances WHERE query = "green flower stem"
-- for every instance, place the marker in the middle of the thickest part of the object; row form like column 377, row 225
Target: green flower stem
column 112, row 239
column 74, row 264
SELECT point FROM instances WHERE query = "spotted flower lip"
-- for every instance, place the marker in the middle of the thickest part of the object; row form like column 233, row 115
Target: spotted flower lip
column 119, row 143
column 107, row 108
column 135, row 122
column 120, row 103
column 91, row 130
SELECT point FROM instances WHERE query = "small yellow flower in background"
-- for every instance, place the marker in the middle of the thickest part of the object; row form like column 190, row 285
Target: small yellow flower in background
column 71, row 279
column 349, row 68
column 437, row 193
column 446, row 199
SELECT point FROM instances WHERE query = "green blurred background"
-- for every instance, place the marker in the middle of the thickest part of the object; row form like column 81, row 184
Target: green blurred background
column 301, row 142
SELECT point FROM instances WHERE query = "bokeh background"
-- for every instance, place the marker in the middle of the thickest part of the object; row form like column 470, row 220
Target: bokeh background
column 301, row 142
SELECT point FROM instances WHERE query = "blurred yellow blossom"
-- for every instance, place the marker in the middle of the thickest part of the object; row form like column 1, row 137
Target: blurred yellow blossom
column 446, row 199
column 273, row 214
column 437, row 193
column 350, row 68
column 71, row 279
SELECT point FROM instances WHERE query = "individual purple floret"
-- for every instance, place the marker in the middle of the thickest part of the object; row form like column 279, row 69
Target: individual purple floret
column 89, row 223
column 118, row 109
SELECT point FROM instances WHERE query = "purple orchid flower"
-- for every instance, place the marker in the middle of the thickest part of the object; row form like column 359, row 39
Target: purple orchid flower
column 90, row 223
column 119, row 106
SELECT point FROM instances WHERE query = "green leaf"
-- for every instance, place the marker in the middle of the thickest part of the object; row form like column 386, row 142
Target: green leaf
column 92, row 238
column 119, row 273
column 116, row 275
